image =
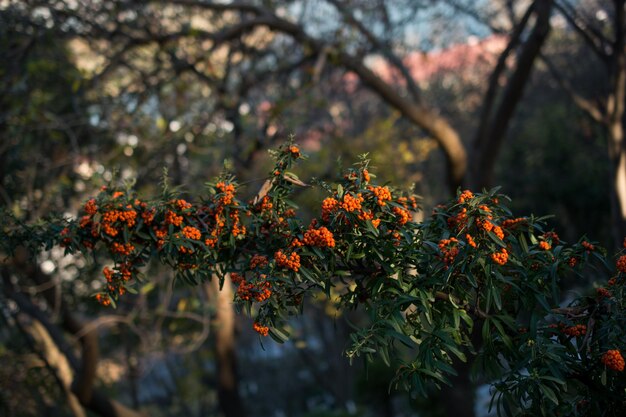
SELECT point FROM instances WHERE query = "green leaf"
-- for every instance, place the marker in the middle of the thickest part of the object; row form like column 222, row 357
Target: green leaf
column 384, row 354
column 553, row 379
column 496, row 239
column 506, row 339
column 278, row 335
column 523, row 243
column 496, row 298
column 549, row 393
column 406, row 340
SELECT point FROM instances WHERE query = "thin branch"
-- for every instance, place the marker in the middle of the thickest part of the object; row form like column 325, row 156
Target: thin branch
column 595, row 43
column 588, row 106
column 382, row 47
column 494, row 78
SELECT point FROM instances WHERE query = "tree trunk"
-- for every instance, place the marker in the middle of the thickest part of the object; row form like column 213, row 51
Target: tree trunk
column 615, row 110
column 56, row 361
column 488, row 143
column 224, row 344
column 84, row 369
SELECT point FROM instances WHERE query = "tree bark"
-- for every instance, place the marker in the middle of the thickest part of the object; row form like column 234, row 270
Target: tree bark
column 489, row 145
column 56, row 361
column 225, row 348
column 615, row 109
column 84, row 369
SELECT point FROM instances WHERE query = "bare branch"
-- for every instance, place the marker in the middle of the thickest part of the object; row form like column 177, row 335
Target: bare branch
column 512, row 94
column 588, row 106
column 383, row 47
column 494, row 78
column 596, row 43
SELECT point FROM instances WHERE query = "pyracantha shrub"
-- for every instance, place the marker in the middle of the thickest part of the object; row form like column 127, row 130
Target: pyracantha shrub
column 472, row 282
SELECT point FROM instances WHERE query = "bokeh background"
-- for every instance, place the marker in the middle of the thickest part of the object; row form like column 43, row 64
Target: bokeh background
column 441, row 94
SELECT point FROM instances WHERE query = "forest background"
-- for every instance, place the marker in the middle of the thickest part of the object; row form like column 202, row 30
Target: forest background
column 441, row 94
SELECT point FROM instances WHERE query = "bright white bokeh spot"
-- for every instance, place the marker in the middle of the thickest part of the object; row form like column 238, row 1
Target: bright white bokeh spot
column 227, row 126
column 175, row 126
column 48, row 267
column 244, row 109
column 133, row 140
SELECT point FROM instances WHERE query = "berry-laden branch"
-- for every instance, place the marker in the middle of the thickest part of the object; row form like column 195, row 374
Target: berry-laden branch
column 471, row 269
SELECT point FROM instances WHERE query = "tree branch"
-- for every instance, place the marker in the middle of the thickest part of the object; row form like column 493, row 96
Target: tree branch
column 384, row 48
column 588, row 106
column 494, row 78
column 595, row 43
column 512, row 95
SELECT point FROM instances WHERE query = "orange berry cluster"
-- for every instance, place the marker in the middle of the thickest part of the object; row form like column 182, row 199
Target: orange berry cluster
column 403, row 215
column 237, row 228
column 182, row 204
column 500, row 257
column 543, row 245
column 321, row 237
column 265, row 205
column 351, row 203
column 148, row 216
column 553, row 237
column 329, row 206
column 511, row 223
column 382, row 194
column 621, row 264
column 173, row 218
column 485, row 208
column 64, row 234
column 366, row 176
column 290, row 262
column 103, row 299
column 575, row 331
column 191, row 232
column 90, row 207
column 183, row 249
column 470, row 240
column 408, row 202
column 227, row 191
column 108, row 274
column 258, row 261
column 459, row 220
column 365, row 215
column 122, row 248
column 110, row 217
column 613, row 360
column 260, row 329
column 294, row 151
column 449, row 249
column 588, row 246
column 465, row 196
column 226, row 197
column 118, row 217
column 485, row 225
column 603, row 292
column 248, row 291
